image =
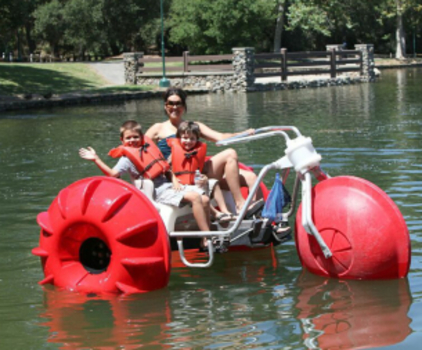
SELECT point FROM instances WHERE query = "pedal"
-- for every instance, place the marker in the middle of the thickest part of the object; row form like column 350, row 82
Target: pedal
column 282, row 232
column 221, row 245
column 256, row 226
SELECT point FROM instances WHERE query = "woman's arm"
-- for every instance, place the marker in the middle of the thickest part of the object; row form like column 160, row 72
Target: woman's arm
column 211, row 135
column 153, row 131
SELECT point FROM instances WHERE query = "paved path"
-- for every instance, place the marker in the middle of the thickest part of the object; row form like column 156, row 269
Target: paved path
column 113, row 72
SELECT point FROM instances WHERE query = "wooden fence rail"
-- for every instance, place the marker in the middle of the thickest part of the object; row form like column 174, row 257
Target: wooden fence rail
column 188, row 63
column 282, row 64
column 307, row 63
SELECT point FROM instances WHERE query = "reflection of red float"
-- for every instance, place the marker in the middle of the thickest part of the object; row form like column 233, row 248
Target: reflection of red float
column 117, row 321
column 95, row 238
column 363, row 228
column 347, row 314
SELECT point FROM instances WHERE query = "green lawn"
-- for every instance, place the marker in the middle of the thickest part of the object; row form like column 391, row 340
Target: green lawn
column 57, row 78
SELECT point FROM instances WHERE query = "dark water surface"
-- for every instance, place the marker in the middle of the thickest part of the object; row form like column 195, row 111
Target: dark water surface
column 259, row 300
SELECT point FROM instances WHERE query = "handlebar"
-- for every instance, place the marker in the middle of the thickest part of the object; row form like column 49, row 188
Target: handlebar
column 260, row 133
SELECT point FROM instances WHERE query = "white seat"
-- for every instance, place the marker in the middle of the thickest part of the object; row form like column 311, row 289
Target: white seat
column 169, row 213
column 146, row 187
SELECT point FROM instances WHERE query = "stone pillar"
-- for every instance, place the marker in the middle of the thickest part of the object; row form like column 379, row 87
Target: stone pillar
column 243, row 67
column 368, row 63
column 130, row 60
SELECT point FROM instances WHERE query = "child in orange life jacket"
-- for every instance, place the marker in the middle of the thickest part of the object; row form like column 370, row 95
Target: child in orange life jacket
column 187, row 157
column 141, row 158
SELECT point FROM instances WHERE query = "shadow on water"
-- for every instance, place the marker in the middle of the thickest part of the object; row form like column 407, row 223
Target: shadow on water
column 247, row 311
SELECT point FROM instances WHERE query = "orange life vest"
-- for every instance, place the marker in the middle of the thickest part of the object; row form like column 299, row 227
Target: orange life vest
column 148, row 159
column 185, row 163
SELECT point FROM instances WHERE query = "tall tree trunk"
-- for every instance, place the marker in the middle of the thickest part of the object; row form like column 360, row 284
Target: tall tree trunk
column 400, row 35
column 279, row 25
column 30, row 42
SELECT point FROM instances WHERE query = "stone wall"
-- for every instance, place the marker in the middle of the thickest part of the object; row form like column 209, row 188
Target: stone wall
column 243, row 67
column 307, row 83
column 212, row 82
column 242, row 79
column 132, row 65
column 368, row 62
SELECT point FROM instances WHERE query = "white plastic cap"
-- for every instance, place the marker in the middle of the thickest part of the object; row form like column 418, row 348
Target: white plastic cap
column 302, row 154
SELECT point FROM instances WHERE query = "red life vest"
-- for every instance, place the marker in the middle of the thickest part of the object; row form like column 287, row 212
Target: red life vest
column 148, row 159
column 185, row 163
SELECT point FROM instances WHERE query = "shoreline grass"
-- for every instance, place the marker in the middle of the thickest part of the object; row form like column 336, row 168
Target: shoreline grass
column 55, row 78
column 65, row 78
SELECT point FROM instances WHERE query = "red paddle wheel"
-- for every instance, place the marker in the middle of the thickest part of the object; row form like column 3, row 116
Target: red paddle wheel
column 102, row 235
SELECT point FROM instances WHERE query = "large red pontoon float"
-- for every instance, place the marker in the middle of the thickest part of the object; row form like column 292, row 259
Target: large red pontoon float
column 103, row 235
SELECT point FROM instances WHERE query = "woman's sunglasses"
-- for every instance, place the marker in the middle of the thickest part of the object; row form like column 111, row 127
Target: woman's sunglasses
column 174, row 104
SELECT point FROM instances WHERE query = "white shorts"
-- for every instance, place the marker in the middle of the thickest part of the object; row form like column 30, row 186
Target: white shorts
column 166, row 194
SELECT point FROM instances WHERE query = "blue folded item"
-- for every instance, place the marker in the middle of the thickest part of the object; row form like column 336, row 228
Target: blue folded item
column 276, row 200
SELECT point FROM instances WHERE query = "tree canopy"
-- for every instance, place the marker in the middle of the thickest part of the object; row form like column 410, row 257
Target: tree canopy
column 108, row 27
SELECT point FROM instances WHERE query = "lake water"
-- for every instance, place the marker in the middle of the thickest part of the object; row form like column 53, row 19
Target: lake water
column 259, row 300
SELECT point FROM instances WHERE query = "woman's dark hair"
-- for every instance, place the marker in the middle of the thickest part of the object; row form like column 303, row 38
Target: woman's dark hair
column 178, row 92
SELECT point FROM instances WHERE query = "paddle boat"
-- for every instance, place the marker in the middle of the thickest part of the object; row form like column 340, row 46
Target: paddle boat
column 104, row 235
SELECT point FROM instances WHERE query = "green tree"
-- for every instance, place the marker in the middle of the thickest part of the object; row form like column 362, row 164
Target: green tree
column 124, row 21
column 216, row 26
column 16, row 23
column 401, row 12
column 331, row 19
column 281, row 6
column 84, row 25
column 49, row 24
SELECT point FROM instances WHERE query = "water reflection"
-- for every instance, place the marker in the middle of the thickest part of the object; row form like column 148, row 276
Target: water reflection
column 353, row 314
column 78, row 321
column 247, row 310
column 190, row 313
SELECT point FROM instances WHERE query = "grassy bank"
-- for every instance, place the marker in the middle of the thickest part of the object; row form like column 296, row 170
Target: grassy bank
column 63, row 78
column 56, row 78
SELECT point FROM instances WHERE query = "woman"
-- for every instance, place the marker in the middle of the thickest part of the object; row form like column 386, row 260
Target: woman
column 222, row 166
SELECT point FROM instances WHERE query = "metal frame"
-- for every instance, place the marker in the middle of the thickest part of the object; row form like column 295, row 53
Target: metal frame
column 306, row 162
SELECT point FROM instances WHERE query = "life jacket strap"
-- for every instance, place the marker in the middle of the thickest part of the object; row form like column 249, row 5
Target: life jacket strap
column 150, row 165
column 183, row 172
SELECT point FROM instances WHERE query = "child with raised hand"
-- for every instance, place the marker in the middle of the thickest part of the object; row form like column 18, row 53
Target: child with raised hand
column 139, row 157
column 142, row 159
column 187, row 159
